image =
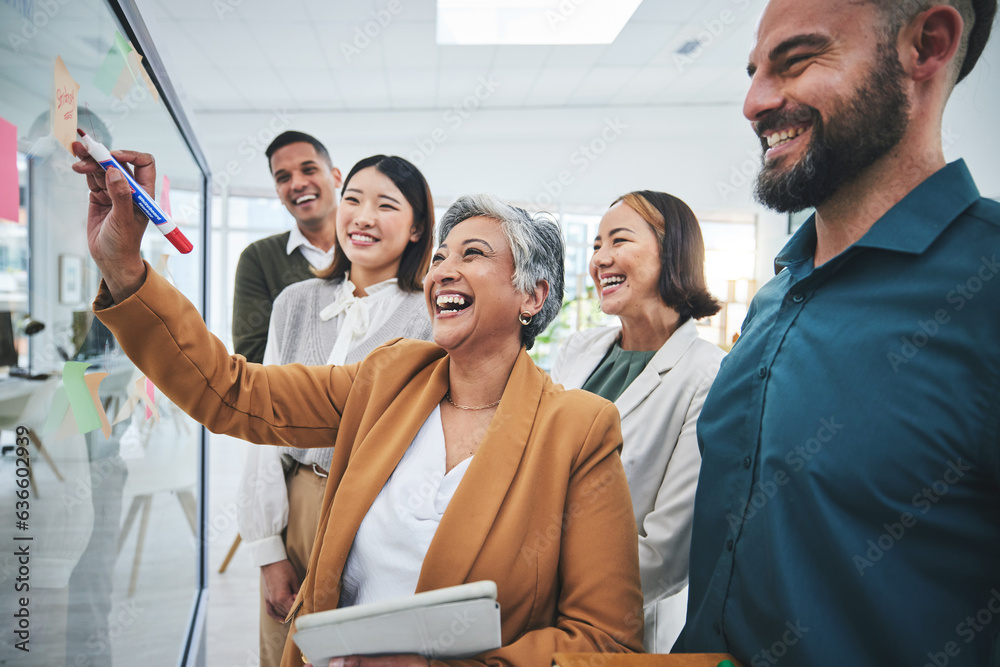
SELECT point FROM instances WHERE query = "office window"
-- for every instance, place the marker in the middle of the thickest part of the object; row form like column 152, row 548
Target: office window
column 111, row 524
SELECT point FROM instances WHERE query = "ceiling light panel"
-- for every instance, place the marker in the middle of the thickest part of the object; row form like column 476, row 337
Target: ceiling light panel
column 464, row 22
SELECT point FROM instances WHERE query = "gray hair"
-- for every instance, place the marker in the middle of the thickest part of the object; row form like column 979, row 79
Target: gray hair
column 535, row 242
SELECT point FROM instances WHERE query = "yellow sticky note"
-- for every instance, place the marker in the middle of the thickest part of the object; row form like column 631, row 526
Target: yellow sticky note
column 138, row 66
column 64, row 105
column 93, row 385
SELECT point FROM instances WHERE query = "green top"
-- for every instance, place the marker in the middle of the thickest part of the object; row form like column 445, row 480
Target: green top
column 616, row 372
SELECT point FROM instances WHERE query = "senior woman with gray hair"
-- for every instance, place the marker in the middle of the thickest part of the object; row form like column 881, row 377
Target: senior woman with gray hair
column 454, row 461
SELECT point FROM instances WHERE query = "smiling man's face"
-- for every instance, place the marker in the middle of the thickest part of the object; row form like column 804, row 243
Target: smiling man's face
column 306, row 184
column 827, row 98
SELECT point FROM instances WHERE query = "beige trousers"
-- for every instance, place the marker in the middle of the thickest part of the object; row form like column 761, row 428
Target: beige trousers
column 305, row 500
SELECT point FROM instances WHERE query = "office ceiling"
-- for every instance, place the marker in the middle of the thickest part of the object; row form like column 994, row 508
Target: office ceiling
column 508, row 119
column 234, row 56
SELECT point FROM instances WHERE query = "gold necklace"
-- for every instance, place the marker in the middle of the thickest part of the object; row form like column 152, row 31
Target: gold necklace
column 471, row 407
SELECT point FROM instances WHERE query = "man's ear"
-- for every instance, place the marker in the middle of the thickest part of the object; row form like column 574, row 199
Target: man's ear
column 535, row 299
column 338, row 179
column 932, row 40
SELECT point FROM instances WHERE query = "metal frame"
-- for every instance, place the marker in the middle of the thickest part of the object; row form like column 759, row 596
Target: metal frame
column 134, row 27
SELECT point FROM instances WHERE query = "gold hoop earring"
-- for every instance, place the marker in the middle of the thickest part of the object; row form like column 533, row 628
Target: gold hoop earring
column 524, row 318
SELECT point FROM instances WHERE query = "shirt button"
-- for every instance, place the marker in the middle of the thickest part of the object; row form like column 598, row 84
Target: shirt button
column 762, row 372
column 747, row 462
column 729, row 545
column 798, row 298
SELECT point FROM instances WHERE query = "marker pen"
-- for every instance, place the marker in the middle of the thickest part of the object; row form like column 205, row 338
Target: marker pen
column 145, row 203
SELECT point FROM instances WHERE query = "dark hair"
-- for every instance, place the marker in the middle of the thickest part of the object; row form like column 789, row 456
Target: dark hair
column 977, row 14
column 985, row 11
column 682, row 252
column 293, row 137
column 417, row 254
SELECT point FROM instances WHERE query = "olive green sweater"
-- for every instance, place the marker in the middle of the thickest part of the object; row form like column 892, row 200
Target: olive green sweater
column 265, row 268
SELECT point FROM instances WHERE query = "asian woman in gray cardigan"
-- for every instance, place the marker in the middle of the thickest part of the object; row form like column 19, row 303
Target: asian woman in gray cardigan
column 369, row 295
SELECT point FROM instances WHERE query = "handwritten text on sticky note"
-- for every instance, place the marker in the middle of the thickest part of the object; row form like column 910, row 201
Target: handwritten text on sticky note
column 64, row 105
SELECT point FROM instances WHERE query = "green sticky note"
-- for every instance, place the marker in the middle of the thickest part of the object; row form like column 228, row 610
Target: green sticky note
column 114, row 64
column 726, row 663
column 111, row 69
column 123, row 46
column 57, row 411
column 84, row 410
column 125, row 49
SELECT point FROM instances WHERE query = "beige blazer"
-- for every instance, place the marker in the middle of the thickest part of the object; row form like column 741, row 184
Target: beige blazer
column 659, row 412
column 543, row 508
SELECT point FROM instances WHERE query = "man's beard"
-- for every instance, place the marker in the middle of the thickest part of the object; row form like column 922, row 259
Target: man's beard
column 871, row 124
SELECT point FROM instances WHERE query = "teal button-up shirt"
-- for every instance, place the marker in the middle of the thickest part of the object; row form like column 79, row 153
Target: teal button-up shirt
column 848, row 510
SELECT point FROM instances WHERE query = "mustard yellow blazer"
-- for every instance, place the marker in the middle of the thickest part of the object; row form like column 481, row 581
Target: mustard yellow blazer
column 543, row 509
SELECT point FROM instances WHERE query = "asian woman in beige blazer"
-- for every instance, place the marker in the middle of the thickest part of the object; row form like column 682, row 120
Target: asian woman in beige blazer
column 648, row 267
column 540, row 504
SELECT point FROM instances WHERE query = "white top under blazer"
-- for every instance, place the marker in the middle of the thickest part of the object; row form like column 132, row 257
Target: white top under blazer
column 389, row 548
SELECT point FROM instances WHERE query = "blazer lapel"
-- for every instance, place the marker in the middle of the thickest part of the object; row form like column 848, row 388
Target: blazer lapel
column 638, row 390
column 470, row 514
column 371, row 463
column 651, row 376
column 588, row 356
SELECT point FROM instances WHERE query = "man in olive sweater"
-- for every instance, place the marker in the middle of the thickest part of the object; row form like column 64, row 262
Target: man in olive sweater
column 307, row 184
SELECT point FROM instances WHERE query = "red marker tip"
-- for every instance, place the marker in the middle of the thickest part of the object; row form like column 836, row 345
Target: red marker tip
column 179, row 241
column 80, row 132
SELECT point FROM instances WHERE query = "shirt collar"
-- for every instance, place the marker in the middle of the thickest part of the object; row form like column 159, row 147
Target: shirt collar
column 296, row 238
column 383, row 288
column 910, row 226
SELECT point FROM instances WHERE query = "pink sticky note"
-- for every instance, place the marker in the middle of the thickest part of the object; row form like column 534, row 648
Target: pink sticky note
column 149, row 392
column 64, row 105
column 9, row 193
column 165, row 196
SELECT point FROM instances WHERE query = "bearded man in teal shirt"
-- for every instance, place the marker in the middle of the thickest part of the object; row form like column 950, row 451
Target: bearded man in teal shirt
column 848, row 510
